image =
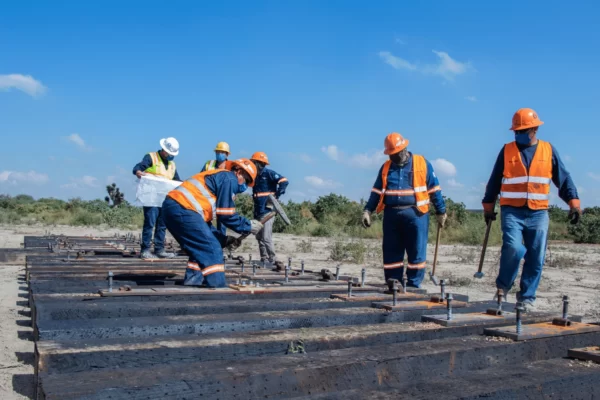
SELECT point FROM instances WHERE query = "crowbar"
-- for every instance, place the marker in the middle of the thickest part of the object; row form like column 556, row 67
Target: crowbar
column 479, row 274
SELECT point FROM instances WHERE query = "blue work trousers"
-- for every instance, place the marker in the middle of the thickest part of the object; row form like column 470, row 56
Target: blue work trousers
column 524, row 235
column 199, row 240
column 405, row 231
column 153, row 223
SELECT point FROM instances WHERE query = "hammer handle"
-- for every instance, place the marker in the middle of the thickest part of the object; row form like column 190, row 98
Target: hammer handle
column 485, row 242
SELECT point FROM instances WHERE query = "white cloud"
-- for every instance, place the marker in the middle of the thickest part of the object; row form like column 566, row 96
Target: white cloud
column 396, row 62
column 302, row 157
column 24, row 83
column 453, row 183
column 443, row 167
column 84, row 181
column 14, row 177
column 399, row 41
column 321, row 183
column 446, row 66
column 77, row 140
column 471, row 98
column 331, row 151
column 370, row 159
column 595, row 177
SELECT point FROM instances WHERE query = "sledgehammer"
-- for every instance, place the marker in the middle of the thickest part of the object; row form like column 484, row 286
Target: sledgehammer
column 432, row 276
column 480, row 274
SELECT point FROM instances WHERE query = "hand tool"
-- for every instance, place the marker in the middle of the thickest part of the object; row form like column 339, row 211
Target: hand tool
column 479, row 274
column 432, row 276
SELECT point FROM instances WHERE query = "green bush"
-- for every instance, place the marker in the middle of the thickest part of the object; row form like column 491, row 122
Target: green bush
column 588, row 229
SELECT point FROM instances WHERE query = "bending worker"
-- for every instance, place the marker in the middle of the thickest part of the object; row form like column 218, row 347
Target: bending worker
column 267, row 182
column 159, row 163
column 220, row 161
column 522, row 175
column 189, row 209
column 405, row 205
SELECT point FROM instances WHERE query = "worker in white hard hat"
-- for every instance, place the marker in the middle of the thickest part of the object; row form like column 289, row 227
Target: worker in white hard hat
column 159, row 163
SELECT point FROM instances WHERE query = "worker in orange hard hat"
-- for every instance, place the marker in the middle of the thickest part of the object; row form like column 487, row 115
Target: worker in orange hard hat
column 405, row 186
column 189, row 211
column 267, row 182
column 524, row 170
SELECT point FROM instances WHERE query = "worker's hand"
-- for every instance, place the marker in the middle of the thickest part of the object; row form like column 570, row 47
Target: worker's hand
column 233, row 243
column 441, row 219
column 139, row 174
column 279, row 194
column 575, row 215
column 366, row 218
column 255, row 226
column 489, row 216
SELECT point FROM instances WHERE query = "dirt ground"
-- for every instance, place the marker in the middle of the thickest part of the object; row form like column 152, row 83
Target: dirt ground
column 571, row 270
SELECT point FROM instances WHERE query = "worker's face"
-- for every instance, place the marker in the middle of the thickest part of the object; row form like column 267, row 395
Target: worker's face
column 526, row 136
column 400, row 158
column 259, row 166
column 243, row 177
column 167, row 155
column 220, row 156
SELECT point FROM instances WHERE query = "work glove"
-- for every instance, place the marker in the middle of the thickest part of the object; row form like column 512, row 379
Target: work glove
column 441, row 219
column 279, row 194
column 139, row 174
column 575, row 215
column 233, row 243
column 255, row 226
column 366, row 218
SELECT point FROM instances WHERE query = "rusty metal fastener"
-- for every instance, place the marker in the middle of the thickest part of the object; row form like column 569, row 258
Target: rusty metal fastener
column 349, row 287
column 404, row 284
column 519, row 308
column 394, row 294
column 337, row 273
column 363, row 276
column 443, row 289
column 449, row 299
column 110, row 281
column 254, row 269
column 302, row 267
column 565, row 313
column 500, row 295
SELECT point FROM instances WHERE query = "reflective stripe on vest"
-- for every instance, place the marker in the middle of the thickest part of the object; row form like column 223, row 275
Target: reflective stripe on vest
column 193, row 194
column 521, row 187
column 158, row 167
column 419, row 189
column 210, row 165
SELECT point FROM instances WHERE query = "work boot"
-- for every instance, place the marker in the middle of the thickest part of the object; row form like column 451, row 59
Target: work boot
column 164, row 254
column 279, row 266
column 529, row 306
column 147, row 255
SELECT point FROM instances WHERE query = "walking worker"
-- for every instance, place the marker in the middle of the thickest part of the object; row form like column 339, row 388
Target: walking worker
column 189, row 210
column 405, row 186
column 267, row 182
column 159, row 163
column 521, row 177
column 220, row 162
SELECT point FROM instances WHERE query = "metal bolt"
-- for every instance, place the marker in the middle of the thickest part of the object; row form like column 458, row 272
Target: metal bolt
column 290, row 262
column 519, row 309
column 443, row 288
column 239, row 281
column 363, row 277
column 242, row 266
column 337, row 273
column 302, row 267
column 404, row 283
column 287, row 274
column 565, row 307
column 449, row 299
column 500, row 295
column 349, row 287
column 394, row 294
column 250, row 257
column 254, row 269
column 257, row 284
column 110, row 281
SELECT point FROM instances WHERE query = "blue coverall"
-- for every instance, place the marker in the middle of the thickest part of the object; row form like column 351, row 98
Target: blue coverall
column 525, row 231
column 267, row 182
column 405, row 228
column 200, row 239
column 153, row 220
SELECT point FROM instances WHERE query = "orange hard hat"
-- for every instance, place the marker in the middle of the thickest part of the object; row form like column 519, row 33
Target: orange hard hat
column 525, row 118
column 260, row 156
column 394, row 143
column 247, row 166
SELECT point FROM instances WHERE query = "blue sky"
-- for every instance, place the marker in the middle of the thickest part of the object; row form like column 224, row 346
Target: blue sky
column 87, row 88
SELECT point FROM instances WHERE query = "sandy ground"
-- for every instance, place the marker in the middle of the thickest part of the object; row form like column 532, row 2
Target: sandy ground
column 571, row 270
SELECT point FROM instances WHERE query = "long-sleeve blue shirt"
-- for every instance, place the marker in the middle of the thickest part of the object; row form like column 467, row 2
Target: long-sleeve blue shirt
column 401, row 178
column 147, row 163
column 267, row 182
column 224, row 186
column 560, row 176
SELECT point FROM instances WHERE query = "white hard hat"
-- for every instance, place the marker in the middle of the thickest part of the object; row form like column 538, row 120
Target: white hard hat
column 170, row 145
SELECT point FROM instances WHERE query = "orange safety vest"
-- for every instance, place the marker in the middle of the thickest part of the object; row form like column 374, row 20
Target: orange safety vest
column 521, row 187
column 194, row 195
column 419, row 189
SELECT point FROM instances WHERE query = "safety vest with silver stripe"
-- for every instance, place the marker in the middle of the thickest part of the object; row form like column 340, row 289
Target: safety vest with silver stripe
column 193, row 194
column 158, row 167
column 419, row 189
column 521, row 187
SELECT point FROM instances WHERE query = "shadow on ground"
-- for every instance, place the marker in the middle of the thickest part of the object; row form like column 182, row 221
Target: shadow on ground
column 23, row 384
